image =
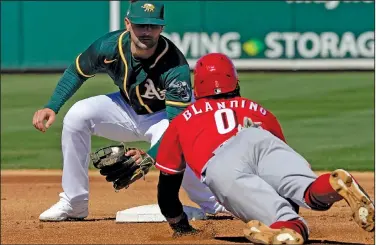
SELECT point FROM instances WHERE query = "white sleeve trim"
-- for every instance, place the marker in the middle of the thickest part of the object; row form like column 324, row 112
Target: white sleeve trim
column 169, row 169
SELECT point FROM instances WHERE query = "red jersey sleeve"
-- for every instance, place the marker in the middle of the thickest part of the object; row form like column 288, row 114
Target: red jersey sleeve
column 170, row 156
column 275, row 127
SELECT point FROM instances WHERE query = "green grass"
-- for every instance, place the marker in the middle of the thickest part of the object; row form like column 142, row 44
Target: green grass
column 327, row 117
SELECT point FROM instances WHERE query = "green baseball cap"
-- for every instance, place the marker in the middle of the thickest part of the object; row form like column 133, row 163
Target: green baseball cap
column 146, row 12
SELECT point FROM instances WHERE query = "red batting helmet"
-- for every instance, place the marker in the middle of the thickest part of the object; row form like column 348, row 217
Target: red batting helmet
column 214, row 74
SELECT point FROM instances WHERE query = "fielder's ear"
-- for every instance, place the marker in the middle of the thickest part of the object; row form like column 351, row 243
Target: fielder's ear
column 127, row 23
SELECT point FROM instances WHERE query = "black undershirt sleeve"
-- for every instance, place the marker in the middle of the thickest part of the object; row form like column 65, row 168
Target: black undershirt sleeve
column 168, row 194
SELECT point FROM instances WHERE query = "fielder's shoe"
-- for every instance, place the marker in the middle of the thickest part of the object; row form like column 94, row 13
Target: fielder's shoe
column 63, row 210
column 260, row 233
column 360, row 203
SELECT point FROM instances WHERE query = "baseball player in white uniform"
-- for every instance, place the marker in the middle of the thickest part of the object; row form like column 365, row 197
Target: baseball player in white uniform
column 154, row 84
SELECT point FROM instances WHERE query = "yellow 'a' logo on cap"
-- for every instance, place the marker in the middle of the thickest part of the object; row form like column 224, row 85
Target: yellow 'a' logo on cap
column 148, row 7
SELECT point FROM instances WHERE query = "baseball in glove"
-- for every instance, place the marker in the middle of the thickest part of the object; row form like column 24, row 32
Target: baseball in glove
column 120, row 169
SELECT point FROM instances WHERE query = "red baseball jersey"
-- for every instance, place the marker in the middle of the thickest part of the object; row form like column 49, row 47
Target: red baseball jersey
column 194, row 134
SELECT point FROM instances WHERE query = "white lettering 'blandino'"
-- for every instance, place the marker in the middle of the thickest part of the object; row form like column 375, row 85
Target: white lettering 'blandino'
column 210, row 106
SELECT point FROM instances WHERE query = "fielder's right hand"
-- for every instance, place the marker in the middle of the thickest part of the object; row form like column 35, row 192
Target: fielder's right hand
column 42, row 115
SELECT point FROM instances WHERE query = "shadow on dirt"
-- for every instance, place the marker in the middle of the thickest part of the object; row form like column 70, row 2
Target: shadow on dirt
column 312, row 242
column 221, row 217
column 331, row 242
column 90, row 220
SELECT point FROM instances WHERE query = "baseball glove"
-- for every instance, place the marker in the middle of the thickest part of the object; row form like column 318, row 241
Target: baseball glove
column 118, row 168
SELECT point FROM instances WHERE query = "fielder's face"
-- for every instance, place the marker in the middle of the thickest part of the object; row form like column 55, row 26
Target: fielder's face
column 144, row 36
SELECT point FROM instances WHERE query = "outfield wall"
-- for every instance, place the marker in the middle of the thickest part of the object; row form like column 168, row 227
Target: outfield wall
column 284, row 35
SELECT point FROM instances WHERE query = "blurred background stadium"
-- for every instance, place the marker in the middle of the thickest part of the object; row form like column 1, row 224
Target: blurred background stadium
column 326, row 112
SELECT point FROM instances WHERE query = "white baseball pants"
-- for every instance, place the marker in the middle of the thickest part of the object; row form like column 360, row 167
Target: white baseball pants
column 109, row 116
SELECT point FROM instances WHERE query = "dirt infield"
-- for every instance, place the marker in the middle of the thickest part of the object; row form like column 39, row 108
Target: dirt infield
column 25, row 194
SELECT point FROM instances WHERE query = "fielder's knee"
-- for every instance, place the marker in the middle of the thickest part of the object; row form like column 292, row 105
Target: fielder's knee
column 78, row 117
